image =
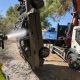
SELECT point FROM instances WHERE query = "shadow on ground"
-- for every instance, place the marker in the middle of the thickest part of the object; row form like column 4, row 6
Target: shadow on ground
column 5, row 58
column 55, row 72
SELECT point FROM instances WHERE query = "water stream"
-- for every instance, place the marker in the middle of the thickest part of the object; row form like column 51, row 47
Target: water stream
column 17, row 33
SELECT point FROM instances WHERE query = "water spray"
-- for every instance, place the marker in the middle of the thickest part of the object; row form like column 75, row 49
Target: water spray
column 20, row 33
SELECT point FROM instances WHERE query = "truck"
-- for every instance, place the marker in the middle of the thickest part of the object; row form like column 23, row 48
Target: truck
column 68, row 46
column 49, row 35
column 69, row 54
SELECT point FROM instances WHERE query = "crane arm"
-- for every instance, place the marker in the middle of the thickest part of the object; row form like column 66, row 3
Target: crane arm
column 76, row 5
column 75, row 22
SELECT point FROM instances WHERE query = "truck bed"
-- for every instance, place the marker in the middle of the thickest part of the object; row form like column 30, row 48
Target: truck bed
column 49, row 36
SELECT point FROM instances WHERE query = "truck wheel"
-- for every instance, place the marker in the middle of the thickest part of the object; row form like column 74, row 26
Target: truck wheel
column 72, row 64
column 22, row 49
column 25, row 53
column 41, row 61
column 44, row 52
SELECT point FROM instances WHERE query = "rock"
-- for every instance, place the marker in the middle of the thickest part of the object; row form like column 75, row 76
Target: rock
column 19, row 70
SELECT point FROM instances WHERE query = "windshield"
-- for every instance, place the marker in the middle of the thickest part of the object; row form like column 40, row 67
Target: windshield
column 78, row 36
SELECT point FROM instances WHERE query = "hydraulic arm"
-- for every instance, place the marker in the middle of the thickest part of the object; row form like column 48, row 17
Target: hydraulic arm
column 75, row 21
column 31, row 47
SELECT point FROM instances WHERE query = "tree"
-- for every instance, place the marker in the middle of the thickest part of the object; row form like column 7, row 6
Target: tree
column 52, row 9
column 2, row 24
column 55, row 7
column 12, row 15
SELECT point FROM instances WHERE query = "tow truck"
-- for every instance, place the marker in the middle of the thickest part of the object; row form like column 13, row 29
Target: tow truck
column 69, row 49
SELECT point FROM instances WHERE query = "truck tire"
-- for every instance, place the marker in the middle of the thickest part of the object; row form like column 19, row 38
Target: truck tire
column 24, row 54
column 44, row 52
column 22, row 45
column 41, row 61
column 72, row 64
column 22, row 51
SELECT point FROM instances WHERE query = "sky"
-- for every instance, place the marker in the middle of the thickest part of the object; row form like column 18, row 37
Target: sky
column 64, row 20
column 5, row 4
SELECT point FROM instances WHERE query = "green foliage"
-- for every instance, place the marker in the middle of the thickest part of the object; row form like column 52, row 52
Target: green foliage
column 1, row 23
column 12, row 15
column 53, row 9
column 2, row 77
column 45, row 23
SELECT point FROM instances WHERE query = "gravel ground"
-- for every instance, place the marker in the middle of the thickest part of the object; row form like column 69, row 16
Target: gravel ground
column 10, row 52
column 54, row 67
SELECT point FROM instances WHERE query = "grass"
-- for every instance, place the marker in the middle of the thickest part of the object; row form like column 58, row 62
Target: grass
column 2, row 77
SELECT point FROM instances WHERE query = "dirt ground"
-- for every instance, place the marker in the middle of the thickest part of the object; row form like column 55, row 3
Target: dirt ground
column 54, row 67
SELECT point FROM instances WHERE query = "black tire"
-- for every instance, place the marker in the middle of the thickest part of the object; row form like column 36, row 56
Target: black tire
column 41, row 61
column 24, row 42
column 44, row 52
column 22, row 48
column 72, row 64
column 24, row 54
column 67, row 55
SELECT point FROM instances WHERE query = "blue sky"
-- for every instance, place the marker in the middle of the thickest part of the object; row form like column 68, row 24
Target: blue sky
column 5, row 4
column 64, row 20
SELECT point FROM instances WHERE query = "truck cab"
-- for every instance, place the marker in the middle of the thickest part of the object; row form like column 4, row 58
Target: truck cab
column 73, row 55
column 75, row 43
